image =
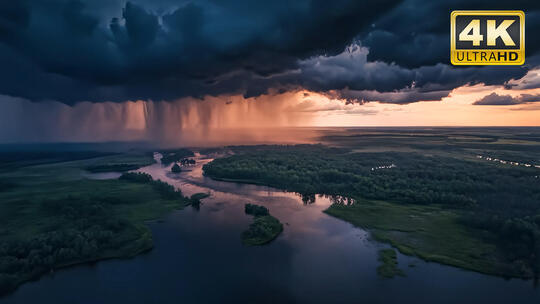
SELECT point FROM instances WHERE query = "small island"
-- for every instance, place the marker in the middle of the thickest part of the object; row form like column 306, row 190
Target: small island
column 176, row 168
column 264, row 228
column 196, row 198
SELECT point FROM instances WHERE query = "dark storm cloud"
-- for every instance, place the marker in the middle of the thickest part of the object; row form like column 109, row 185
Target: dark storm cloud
column 107, row 50
column 494, row 99
column 530, row 98
column 416, row 32
column 399, row 97
column 354, row 78
column 351, row 69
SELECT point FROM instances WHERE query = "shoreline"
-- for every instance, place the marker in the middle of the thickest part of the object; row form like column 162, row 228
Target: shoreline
column 378, row 235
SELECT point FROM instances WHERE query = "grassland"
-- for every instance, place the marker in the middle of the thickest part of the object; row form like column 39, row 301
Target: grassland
column 120, row 162
column 52, row 217
column 429, row 232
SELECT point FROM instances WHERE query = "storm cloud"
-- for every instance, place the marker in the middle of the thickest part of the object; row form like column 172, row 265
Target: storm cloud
column 495, row 99
column 416, row 32
column 107, row 50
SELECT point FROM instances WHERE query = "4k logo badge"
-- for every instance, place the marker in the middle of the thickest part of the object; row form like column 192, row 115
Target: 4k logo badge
column 487, row 37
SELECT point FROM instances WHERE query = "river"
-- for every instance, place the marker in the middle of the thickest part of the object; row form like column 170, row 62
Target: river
column 199, row 258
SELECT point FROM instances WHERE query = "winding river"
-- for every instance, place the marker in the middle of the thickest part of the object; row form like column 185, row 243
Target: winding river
column 198, row 258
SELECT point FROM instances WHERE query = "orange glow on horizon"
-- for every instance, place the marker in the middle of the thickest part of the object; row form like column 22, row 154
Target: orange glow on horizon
column 455, row 110
column 239, row 120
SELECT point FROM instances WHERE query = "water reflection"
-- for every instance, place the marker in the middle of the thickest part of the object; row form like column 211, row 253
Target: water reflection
column 334, row 199
column 308, row 198
column 341, row 200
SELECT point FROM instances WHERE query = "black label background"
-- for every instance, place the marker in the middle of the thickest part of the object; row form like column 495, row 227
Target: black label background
column 513, row 30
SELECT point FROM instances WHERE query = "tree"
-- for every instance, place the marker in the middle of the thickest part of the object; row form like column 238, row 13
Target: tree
column 176, row 168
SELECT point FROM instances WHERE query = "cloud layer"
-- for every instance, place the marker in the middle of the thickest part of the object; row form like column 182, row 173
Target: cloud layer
column 495, row 99
column 111, row 50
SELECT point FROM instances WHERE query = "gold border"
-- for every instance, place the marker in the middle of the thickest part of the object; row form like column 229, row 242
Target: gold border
column 521, row 50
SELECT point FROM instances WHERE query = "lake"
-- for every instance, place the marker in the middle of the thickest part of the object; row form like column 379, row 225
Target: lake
column 199, row 258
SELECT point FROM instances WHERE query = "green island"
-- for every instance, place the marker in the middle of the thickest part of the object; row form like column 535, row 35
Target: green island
column 389, row 265
column 53, row 217
column 195, row 199
column 430, row 197
column 264, row 229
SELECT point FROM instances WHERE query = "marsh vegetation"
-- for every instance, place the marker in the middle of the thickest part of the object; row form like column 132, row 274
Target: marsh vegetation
column 388, row 267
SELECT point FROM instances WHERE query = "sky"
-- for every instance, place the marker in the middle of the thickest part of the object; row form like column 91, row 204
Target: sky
column 112, row 70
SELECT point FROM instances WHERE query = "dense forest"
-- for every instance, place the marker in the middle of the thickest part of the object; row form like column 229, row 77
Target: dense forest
column 80, row 225
column 504, row 200
column 88, row 230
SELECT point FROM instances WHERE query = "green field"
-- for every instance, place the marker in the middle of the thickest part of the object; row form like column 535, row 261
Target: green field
column 52, row 217
column 429, row 232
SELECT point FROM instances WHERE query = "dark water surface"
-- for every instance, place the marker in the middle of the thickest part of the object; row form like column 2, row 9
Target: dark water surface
column 199, row 258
